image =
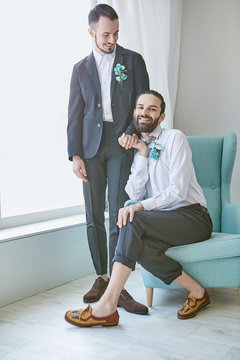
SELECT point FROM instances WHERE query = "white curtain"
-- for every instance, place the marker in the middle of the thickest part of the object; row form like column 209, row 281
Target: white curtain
column 152, row 28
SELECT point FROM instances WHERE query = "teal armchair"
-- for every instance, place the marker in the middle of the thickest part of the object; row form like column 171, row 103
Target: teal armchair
column 214, row 262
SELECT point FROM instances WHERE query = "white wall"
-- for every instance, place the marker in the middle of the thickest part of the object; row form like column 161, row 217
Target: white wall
column 208, row 98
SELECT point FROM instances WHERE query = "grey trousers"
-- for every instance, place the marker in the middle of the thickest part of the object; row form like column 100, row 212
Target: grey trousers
column 151, row 233
column 109, row 167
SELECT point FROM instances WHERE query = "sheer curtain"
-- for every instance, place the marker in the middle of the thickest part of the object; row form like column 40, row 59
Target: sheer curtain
column 42, row 40
column 152, row 28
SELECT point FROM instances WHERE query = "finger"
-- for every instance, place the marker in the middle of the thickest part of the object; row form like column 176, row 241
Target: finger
column 79, row 174
column 128, row 142
column 125, row 216
column 119, row 219
column 121, row 142
column 83, row 169
column 131, row 216
column 132, row 142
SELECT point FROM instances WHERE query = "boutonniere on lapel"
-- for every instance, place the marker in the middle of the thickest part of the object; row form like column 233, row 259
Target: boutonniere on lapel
column 156, row 151
column 120, row 71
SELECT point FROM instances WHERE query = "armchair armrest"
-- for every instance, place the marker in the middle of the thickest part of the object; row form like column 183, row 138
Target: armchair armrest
column 231, row 218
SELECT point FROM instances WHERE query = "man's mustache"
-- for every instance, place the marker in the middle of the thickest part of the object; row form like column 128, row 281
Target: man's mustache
column 144, row 116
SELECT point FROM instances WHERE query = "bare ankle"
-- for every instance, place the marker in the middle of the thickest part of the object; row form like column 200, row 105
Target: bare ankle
column 103, row 309
column 197, row 293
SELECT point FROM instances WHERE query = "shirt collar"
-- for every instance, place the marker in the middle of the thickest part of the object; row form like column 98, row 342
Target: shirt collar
column 154, row 135
column 157, row 131
column 109, row 57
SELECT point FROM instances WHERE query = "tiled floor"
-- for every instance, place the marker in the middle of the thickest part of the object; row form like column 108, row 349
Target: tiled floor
column 34, row 328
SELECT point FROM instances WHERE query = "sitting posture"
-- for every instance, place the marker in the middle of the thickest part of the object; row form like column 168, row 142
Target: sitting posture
column 170, row 210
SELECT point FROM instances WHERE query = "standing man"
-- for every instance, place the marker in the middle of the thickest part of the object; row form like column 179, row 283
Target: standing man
column 104, row 87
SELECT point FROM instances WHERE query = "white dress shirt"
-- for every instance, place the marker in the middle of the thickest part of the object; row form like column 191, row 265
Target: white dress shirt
column 170, row 181
column 104, row 67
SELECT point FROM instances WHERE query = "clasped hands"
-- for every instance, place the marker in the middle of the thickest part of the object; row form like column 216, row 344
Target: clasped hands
column 132, row 141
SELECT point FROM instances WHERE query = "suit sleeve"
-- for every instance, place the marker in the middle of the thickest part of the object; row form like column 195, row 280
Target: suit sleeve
column 75, row 117
column 141, row 84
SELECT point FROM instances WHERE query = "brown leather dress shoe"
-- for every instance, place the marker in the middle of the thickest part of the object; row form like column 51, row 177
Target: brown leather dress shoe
column 129, row 304
column 84, row 318
column 97, row 290
column 192, row 306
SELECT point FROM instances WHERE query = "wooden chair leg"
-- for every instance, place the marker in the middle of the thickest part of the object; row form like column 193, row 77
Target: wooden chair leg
column 149, row 292
column 239, row 295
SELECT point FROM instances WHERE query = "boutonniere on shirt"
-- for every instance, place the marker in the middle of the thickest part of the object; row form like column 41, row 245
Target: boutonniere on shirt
column 120, row 71
column 156, row 151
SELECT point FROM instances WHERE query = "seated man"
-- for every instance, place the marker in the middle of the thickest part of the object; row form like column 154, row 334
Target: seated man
column 173, row 214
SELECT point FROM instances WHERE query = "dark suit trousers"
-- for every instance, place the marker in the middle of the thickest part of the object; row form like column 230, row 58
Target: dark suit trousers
column 151, row 233
column 109, row 168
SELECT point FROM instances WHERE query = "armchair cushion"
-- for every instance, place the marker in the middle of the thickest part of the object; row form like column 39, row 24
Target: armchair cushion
column 218, row 246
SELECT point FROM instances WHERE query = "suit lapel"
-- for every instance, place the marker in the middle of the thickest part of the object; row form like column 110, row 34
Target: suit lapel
column 93, row 73
column 118, row 60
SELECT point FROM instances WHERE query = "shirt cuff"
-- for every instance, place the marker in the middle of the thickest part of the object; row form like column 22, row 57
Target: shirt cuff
column 147, row 204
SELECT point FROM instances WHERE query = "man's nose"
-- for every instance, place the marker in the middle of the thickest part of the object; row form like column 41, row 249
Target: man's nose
column 112, row 39
column 144, row 112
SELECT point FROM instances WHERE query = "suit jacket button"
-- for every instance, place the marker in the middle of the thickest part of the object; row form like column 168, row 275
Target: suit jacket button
column 99, row 105
column 98, row 124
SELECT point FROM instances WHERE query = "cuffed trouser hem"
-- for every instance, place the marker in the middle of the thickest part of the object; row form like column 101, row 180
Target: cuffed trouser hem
column 174, row 276
column 166, row 278
column 127, row 262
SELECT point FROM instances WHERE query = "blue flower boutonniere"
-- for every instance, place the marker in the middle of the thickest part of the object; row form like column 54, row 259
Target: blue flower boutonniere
column 156, row 151
column 120, row 71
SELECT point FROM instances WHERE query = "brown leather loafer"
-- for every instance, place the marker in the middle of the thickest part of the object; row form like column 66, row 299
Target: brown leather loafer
column 129, row 304
column 97, row 290
column 85, row 318
column 192, row 306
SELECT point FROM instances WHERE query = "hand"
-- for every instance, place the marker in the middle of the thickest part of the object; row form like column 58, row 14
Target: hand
column 127, row 141
column 140, row 146
column 128, row 210
column 79, row 168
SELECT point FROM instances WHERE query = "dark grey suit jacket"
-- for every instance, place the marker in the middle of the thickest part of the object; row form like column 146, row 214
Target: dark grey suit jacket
column 85, row 113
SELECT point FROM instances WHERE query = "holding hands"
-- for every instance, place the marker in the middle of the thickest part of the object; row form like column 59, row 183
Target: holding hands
column 132, row 141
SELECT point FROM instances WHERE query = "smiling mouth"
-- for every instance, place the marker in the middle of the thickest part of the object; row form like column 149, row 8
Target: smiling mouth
column 144, row 119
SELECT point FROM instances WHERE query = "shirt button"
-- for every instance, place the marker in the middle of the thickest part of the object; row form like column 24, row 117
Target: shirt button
column 99, row 105
column 98, row 124
column 213, row 186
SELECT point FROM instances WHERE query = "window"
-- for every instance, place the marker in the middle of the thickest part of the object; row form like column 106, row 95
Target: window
column 42, row 41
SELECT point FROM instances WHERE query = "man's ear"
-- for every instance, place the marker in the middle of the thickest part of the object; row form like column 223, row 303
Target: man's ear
column 91, row 32
column 162, row 117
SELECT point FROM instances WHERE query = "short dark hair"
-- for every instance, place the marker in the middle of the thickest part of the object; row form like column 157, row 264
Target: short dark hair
column 101, row 10
column 158, row 95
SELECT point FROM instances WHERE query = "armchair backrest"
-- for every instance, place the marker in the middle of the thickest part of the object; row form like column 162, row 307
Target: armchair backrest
column 213, row 159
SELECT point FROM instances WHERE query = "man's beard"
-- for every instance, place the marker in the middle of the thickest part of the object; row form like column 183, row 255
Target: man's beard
column 104, row 51
column 148, row 127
